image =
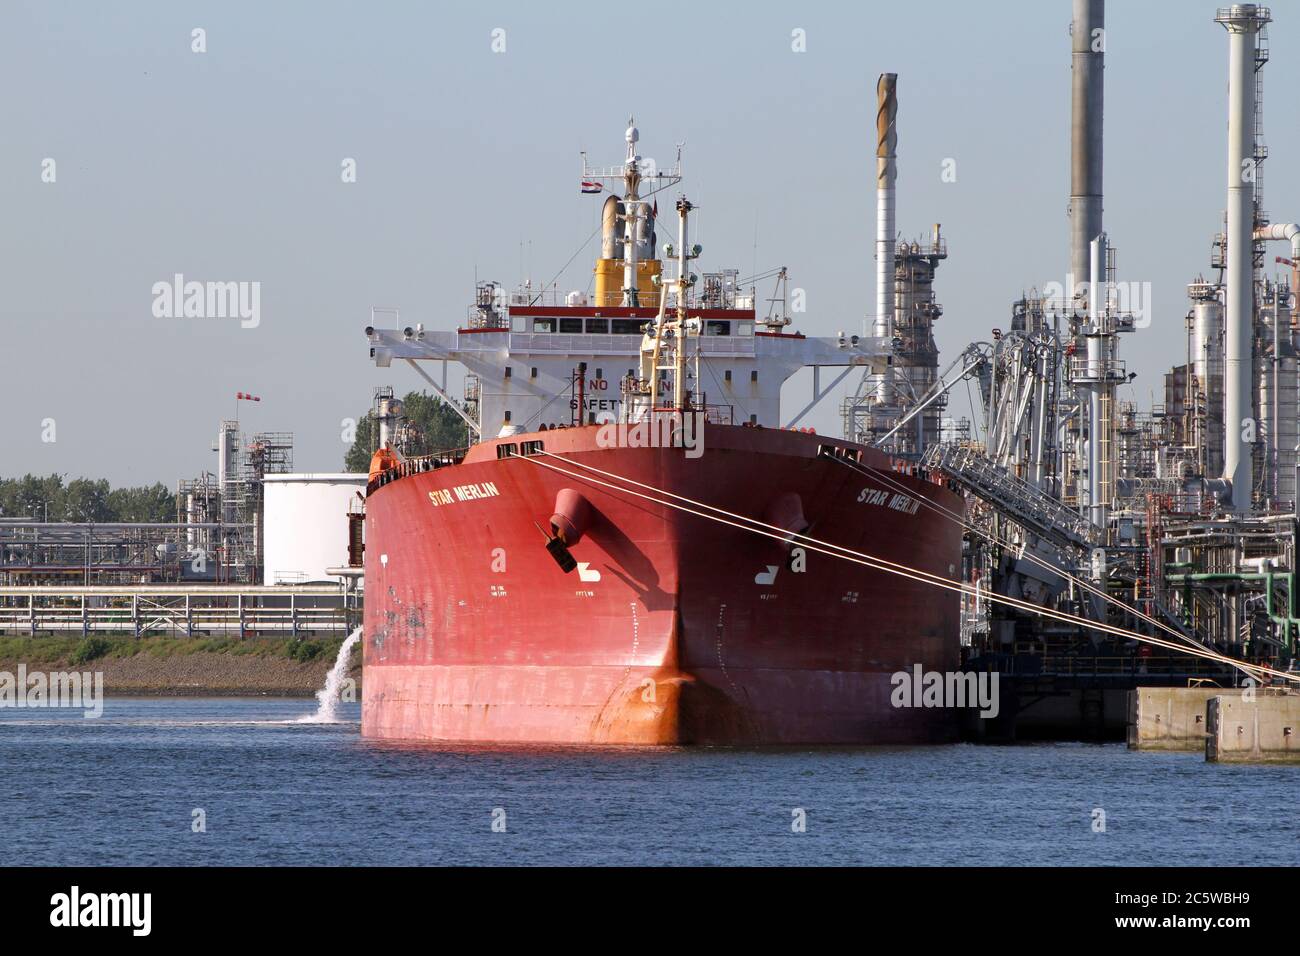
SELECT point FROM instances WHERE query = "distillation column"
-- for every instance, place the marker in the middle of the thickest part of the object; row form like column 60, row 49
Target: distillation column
column 1243, row 22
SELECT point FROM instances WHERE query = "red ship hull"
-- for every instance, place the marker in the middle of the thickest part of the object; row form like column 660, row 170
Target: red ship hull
column 694, row 632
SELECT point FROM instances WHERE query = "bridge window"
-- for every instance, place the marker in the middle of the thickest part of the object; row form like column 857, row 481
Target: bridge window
column 744, row 328
column 717, row 327
column 571, row 326
column 598, row 326
column 543, row 325
column 627, row 326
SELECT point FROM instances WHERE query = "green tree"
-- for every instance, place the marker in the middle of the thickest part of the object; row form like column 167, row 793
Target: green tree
column 147, row 503
column 32, row 497
column 83, row 499
column 434, row 426
column 86, row 500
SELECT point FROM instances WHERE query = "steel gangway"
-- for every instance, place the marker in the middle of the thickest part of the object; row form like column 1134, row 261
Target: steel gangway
column 1017, row 499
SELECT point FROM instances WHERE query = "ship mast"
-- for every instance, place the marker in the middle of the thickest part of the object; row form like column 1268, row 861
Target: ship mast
column 660, row 345
column 639, row 179
column 679, row 371
column 668, row 351
column 632, row 215
column 670, row 335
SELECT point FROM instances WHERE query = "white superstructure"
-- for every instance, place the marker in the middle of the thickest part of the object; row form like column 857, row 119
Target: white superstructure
column 552, row 358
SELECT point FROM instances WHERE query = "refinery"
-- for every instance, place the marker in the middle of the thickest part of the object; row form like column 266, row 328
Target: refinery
column 1105, row 547
column 1079, row 546
column 845, row 435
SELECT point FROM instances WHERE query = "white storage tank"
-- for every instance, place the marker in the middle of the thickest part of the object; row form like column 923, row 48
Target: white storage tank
column 306, row 525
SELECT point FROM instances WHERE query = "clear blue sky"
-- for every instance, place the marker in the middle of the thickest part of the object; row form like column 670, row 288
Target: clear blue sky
column 226, row 166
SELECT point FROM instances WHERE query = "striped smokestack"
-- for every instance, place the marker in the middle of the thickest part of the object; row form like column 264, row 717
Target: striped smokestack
column 886, row 173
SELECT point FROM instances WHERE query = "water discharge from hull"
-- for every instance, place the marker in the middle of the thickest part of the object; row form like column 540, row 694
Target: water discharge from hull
column 328, row 696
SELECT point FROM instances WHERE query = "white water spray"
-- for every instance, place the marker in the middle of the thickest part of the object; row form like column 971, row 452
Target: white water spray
column 328, row 696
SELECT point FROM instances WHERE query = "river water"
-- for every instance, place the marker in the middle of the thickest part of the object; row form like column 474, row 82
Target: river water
column 133, row 787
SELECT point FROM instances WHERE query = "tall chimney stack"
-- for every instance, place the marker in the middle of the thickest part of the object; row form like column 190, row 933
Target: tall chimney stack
column 886, row 173
column 1243, row 22
column 1087, row 101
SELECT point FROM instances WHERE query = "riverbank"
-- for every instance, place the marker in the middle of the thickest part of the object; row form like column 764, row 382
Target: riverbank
column 186, row 667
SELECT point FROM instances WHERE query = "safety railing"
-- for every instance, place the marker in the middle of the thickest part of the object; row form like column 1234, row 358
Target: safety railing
column 178, row 611
column 416, row 465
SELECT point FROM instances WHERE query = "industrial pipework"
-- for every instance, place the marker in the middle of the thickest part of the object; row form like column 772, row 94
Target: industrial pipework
column 1243, row 22
column 1284, row 232
column 1281, row 232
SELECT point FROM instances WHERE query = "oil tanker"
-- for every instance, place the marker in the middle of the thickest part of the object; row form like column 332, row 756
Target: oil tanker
column 633, row 549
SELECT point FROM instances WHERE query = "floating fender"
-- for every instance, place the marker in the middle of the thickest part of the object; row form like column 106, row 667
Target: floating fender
column 572, row 516
column 786, row 512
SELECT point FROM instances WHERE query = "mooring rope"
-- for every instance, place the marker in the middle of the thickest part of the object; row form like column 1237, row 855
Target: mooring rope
column 756, row 526
column 879, row 474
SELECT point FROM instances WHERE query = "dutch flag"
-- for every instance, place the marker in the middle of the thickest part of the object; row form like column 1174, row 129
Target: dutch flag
column 591, row 187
